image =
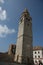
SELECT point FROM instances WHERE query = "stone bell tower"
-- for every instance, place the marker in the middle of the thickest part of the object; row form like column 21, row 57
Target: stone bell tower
column 24, row 40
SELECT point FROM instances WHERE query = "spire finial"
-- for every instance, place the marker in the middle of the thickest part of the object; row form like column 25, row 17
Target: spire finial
column 25, row 10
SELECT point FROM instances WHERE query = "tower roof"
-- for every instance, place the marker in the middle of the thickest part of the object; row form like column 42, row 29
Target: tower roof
column 37, row 48
column 25, row 12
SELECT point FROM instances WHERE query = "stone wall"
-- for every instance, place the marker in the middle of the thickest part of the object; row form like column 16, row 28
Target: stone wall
column 3, row 63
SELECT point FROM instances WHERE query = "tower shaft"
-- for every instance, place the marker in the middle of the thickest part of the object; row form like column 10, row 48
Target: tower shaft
column 24, row 40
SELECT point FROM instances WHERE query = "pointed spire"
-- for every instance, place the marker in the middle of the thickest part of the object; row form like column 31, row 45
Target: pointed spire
column 25, row 12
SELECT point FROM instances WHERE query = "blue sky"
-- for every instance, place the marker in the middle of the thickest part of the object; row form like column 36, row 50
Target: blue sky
column 10, row 12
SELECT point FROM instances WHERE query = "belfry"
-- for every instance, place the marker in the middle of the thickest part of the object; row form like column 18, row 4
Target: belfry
column 24, row 48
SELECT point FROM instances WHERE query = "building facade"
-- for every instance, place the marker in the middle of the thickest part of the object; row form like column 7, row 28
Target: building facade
column 37, row 54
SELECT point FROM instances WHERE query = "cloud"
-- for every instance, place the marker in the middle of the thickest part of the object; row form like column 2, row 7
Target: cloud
column 3, row 14
column 4, row 30
column 1, row 1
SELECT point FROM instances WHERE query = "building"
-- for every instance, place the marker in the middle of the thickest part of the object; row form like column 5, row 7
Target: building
column 24, row 48
column 12, row 49
column 38, row 54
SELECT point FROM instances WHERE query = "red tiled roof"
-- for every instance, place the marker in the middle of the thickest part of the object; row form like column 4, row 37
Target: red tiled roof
column 37, row 48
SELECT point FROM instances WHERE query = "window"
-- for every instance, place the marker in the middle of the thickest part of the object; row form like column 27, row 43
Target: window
column 38, row 56
column 38, row 52
column 35, row 52
column 28, row 24
column 27, row 19
column 13, row 51
column 25, row 15
column 21, row 20
column 35, row 61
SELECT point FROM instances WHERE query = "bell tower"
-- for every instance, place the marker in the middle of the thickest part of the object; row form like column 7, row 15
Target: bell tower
column 24, row 40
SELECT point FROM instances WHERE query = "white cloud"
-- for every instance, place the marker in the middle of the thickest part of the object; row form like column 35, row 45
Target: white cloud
column 1, row 1
column 4, row 30
column 3, row 14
